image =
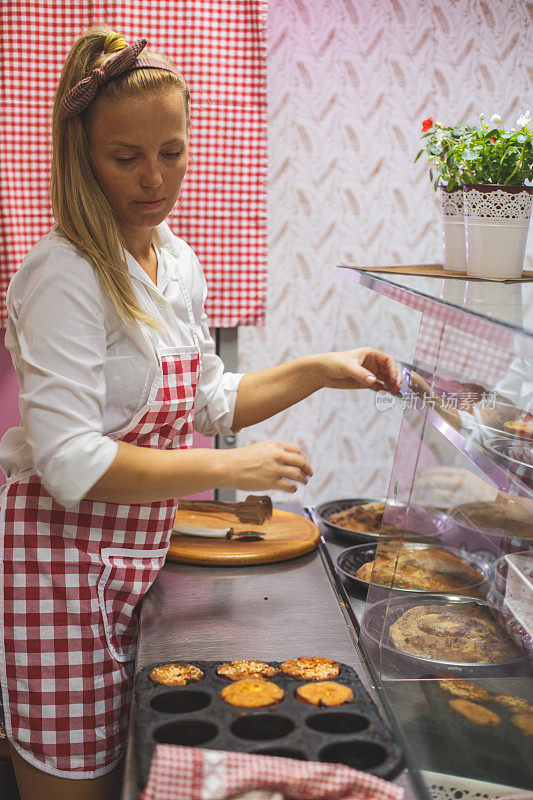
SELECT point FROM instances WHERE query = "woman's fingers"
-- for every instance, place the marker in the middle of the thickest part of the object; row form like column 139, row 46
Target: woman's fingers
column 295, row 474
column 385, row 369
column 295, row 458
column 285, row 486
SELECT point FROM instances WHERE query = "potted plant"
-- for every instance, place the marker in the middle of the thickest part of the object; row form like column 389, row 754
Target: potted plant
column 496, row 165
column 442, row 147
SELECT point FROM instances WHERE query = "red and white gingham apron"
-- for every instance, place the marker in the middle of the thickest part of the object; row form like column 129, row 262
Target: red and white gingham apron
column 72, row 581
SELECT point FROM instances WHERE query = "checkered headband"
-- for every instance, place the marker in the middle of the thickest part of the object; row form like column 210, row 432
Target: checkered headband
column 83, row 93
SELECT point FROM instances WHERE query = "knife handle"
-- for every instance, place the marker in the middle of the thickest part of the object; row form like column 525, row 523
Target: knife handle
column 206, row 533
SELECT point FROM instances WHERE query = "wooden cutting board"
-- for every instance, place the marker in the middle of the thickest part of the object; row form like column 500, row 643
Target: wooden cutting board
column 287, row 536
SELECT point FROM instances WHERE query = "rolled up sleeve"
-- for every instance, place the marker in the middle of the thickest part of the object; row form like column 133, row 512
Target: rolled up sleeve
column 58, row 339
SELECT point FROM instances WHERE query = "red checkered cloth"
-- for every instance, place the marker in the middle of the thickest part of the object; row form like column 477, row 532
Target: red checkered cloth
column 188, row 773
column 220, row 48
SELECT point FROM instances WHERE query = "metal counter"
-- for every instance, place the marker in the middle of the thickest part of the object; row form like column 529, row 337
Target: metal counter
column 271, row 612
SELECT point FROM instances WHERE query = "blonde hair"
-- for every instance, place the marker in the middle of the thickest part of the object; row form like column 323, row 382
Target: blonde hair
column 80, row 207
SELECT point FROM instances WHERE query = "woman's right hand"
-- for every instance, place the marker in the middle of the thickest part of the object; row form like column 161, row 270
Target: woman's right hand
column 266, row 465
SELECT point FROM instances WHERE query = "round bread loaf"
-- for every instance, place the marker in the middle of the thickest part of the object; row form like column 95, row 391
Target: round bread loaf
column 252, row 693
column 514, row 704
column 311, row 668
column 464, row 689
column 524, row 722
column 176, row 674
column 324, row 693
column 479, row 715
column 236, row 670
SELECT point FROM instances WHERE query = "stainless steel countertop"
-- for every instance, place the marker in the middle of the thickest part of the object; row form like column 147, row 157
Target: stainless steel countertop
column 272, row 612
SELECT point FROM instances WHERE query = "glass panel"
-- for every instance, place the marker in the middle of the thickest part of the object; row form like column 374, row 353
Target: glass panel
column 510, row 303
column 443, row 585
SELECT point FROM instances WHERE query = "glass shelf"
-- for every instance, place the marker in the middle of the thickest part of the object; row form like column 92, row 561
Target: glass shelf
column 460, row 493
column 508, row 303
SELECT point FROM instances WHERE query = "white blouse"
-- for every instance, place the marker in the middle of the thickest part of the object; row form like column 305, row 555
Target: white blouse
column 84, row 373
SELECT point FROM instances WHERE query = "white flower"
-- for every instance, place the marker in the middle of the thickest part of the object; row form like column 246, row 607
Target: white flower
column 439, row 135
column 481, row 117
column 496, row 118
column 525, row 119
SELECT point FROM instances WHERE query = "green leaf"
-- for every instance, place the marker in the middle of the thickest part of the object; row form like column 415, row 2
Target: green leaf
column 469, row 155
column 418, row 155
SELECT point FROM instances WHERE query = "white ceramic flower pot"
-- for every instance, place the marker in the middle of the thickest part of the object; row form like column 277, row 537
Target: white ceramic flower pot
column 496, row 222
column 453, row 229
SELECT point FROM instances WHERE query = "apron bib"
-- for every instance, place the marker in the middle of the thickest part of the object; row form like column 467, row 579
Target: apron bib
column 72, row 581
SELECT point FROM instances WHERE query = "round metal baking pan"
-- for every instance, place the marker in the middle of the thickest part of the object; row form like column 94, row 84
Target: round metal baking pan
column 380, row 616
column 351, row 559
column 422, row 523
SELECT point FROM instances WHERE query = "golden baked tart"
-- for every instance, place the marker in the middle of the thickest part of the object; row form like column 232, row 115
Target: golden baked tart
column 475, row 713
column 246, row 669
column 512, row 517
column 311, row 668
column 176, row 674
column 367, row 517
column 324, row 693
column 461, row 688
column 252, row 693
column 428, row 568
column 463, row 632
column 520, row 427
column 524, row 722
column 514, row 704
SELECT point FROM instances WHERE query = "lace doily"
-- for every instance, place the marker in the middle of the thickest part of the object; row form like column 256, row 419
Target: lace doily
column 451, row 203
column 498, row 207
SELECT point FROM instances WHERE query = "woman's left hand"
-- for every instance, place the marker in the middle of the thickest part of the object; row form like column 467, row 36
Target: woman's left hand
column 363, row 368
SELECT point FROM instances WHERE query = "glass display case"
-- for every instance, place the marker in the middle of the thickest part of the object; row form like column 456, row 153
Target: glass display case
column 433, row 557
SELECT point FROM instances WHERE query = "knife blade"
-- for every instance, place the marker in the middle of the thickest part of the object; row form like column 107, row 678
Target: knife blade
column 218, row 533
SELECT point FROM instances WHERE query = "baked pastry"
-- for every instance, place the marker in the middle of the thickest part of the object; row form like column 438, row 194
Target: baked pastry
column 176, row 674
column 524, row 722
column 430, row 568
column 325, row 693
column 462, row 688
column 464, row 632
column 514, row 704
column 520, row 427
column 311, row 668
column 246, row 669
column 512, row 517
column 252, row 693
column 367, row 517
column 475, row 713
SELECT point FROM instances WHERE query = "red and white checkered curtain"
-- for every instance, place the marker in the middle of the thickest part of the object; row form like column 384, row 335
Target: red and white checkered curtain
column 220, row 47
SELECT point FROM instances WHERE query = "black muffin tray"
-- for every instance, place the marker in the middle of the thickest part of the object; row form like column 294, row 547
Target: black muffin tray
column 196, row 716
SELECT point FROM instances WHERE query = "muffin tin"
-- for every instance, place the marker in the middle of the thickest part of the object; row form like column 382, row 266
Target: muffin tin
column 195, row 715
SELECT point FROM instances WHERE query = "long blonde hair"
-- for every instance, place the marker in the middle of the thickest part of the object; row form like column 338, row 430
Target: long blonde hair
column 80, row 208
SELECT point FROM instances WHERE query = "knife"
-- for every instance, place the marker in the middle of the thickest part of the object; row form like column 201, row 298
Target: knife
column 218, row 533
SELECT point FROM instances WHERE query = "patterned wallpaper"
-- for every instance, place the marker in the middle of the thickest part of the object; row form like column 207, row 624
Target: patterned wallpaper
column 349, row 82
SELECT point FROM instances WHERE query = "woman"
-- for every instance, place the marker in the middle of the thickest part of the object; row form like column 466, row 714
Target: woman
column 110, row 340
